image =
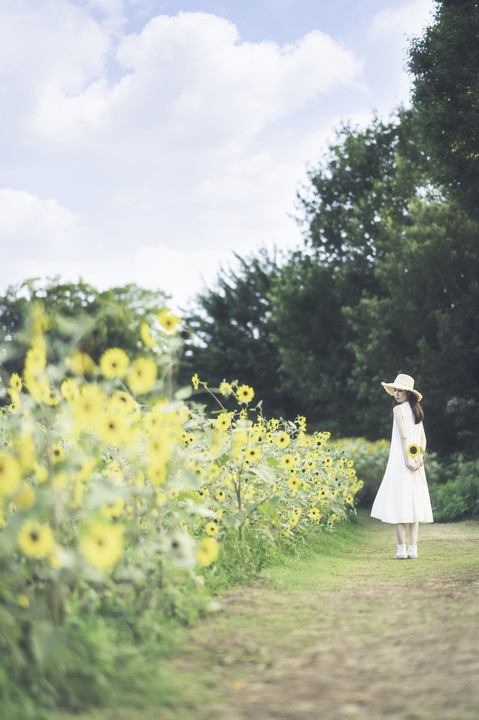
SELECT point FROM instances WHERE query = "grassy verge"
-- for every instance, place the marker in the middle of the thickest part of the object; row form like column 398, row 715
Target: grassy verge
column 338, row 624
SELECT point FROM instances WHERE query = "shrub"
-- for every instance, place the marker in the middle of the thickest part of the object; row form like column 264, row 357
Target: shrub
column 458, row 497
column 370, row 460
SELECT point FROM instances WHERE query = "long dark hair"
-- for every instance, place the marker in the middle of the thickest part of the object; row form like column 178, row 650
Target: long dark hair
column 416, row 408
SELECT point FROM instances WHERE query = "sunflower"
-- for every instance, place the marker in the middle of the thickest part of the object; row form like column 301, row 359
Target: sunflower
column 26, row 451
column 414, row 450
column 25, row 498
column 112, row 428
column 156, row 473
column 69, row 389
column 113, row 510
column 258, row 432
column 168, row 321
column 41, row 473
column 15, row 401
column 84, row 468
column 282, row 439
column 301, row 420
column 124, row 403
column 160, row 497
column 288, row 461
column 245, row 394
column 57, row 453
column 80, row 363
column 252, row 455
column 207, row 552
column 102, row 544
column 223, row 421
column 15, row 382
column 226, row 389
column 145, row 335
column 114, row 363
column 142, row 375
column 294, row 483
column 35, row 362
column 212, row 529
column 35, row 539
column 220, row 495
column 10, row 474
column 87, row 405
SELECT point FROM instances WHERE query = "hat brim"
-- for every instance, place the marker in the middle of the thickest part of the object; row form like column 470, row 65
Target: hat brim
column 390, row 387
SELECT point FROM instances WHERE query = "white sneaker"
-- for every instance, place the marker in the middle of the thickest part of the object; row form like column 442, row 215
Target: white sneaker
column 412, row 552
column 401, row 553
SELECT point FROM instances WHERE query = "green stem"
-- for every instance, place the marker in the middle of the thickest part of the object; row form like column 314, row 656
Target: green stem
column 210, row 392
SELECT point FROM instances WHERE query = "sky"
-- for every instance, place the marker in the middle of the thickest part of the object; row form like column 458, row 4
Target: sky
column 149, row 141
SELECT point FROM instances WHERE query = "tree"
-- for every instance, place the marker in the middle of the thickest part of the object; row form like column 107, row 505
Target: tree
column 425, row 321
column 231, row 331
column 362, row 186
column 444, row 64
column 110, row 318
column 308, row 331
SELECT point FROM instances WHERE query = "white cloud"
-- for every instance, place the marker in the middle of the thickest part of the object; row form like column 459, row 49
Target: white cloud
column 388, row 37
column 26, row 218
column 161, row 150
column 403, row 22
column 188, row 80
column 46, row 49
column 158, row 266
column 37, row 237
column 52, row 43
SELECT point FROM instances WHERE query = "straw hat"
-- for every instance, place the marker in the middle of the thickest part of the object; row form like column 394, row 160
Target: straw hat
column 402, row 382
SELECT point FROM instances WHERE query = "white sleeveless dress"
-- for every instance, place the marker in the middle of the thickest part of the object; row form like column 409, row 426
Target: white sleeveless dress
column 403, row 496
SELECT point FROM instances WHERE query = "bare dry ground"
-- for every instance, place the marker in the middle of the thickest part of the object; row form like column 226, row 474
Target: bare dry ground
column 355, row 634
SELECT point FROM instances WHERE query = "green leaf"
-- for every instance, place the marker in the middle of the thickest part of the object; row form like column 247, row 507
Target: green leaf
column 234, row 521
column 272, row 461
column 47, row 642
column 265, row 474
column 183, row 393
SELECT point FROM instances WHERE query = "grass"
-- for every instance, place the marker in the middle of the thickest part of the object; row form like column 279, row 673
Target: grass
column 338, row 625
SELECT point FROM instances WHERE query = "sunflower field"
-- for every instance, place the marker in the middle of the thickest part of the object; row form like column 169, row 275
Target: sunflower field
column 122, row 502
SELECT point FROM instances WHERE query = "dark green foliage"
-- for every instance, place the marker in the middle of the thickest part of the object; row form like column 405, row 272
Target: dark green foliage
column 231, row 331
column 444, row 64
column 362, row 186
column 425, row 321
column 102, row 319
column 458, row 498
column 309, row 333
column 389, row 283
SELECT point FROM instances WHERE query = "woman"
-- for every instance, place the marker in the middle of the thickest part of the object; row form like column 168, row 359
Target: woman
column 403, row 496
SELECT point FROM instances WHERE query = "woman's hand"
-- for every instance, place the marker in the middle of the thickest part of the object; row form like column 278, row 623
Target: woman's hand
column 414, row 463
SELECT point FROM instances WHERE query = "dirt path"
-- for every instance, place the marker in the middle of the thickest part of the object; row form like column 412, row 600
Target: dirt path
column 354, row 634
